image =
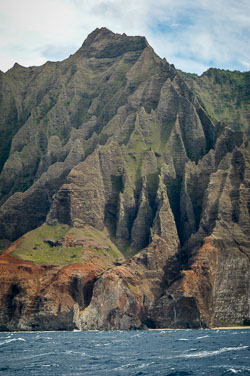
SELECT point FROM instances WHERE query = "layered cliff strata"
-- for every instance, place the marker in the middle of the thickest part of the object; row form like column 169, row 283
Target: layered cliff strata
column 206, row 281
column 49, row 271
column 112, row 144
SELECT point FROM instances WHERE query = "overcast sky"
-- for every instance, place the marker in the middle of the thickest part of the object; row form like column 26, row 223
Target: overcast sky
column 191, row 34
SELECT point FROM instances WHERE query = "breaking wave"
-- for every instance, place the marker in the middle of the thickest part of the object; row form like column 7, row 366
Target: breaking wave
column 8, row 340
column 123, row 353
column 202, row 354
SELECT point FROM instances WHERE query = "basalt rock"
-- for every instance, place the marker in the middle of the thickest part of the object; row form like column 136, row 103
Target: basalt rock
column 45, row 297
column 117, row 140
column 224, row 95
column 191, row 287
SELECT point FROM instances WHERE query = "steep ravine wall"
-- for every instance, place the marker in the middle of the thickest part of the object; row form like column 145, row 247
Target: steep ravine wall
column 206, row 282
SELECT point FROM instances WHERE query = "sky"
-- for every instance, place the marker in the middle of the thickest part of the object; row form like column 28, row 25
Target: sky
column 194, row 35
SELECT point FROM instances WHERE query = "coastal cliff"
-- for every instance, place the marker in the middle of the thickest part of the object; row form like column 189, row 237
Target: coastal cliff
column 124, row 197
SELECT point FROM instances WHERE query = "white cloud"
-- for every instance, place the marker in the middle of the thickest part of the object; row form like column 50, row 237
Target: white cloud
column 246, row 64
column 192, row 35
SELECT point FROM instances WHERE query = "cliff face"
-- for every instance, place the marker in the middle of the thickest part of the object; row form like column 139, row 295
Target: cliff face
column 205, row 282
column 49, row 273
column 114, row 144
column 224, row 94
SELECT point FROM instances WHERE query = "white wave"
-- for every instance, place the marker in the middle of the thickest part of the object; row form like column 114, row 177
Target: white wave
column 144, row 365
column 124, row 366
column 183, row 339
column 42, row 365
column 43, row 337
column 203, row 337
column 203, row 354
column 11, row 340
column 103, row 344
column 229, row 368
column 192, row 349
column 234, row 370
column 69, row 352
column 136, row 335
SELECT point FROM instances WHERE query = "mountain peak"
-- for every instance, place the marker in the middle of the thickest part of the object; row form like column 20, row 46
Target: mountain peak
column 103, row 43
column 103, row 31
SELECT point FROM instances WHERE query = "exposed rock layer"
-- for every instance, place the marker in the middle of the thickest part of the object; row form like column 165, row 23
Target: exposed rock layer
column 113, row 138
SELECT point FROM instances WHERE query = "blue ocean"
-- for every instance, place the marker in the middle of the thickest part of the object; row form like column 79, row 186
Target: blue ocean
column 162, row 352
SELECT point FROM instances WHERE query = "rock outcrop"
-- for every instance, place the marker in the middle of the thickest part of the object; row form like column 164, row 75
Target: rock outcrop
column 46, row 296
column 43, row 297
column 206, row 281
column 116, row 140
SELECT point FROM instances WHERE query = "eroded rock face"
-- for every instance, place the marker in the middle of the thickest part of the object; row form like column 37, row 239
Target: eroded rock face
column 132, row 98
column 123, row 295
column 206, row 281
column 44, row 297
column 224, row 94
column 119, row 142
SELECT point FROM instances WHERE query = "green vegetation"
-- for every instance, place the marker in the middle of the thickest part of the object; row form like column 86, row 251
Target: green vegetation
column 127, row 251
column 225, row 95
column 42, row 253
column 165, row 132
column 45, row 245
column 4, row 243
column 246, row 322
column 9, row 129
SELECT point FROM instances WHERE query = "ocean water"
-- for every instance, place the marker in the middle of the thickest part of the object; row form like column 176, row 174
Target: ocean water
column 163, row 352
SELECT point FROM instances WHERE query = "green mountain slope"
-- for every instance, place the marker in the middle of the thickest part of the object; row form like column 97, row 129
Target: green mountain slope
column 125, row 189
column 224, row 95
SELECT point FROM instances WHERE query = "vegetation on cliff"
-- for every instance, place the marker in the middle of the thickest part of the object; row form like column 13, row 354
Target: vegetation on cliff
column 113, row 151
column 225, row 95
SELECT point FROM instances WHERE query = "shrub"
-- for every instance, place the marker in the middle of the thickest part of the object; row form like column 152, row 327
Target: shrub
column 246, row 322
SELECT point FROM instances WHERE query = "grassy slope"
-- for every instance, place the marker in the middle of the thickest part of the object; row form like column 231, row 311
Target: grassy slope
column 34, row 247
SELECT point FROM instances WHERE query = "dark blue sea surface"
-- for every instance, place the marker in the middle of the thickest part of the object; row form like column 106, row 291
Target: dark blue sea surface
column 164, row 352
